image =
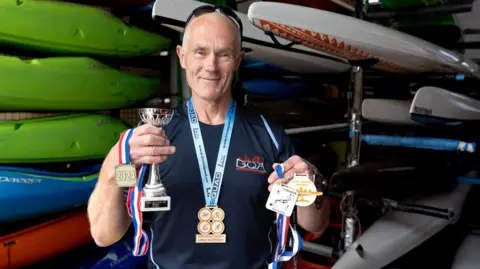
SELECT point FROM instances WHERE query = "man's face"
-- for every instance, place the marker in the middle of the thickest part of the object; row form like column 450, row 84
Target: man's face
column 210, row 56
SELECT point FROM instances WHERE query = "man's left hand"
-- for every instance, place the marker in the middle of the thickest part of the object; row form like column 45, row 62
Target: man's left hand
column 294, row 165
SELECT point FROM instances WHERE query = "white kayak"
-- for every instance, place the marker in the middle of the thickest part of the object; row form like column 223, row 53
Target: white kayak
column 396, row 233
column 300, row 59
column 355, row 39
column 433, row 104
column 388, row 111
column 468, row 254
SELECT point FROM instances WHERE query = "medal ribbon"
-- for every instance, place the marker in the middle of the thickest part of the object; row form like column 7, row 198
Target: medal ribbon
column 140, row 242
column 211, row 187
column 283, row 226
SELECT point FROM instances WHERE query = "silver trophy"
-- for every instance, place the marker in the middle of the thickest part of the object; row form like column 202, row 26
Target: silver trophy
column 154, row 197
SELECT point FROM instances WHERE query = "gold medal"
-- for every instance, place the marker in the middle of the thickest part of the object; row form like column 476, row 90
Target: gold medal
column 307, row 192
column 126, row 175
column 211, row 226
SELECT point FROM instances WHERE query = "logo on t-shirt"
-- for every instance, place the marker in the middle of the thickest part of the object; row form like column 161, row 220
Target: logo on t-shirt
column 247, row 164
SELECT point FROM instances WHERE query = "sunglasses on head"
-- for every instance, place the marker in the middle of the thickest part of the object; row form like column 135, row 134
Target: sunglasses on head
column 209, row 9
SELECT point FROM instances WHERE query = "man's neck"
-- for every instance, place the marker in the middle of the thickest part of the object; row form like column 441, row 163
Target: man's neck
column 212, row 113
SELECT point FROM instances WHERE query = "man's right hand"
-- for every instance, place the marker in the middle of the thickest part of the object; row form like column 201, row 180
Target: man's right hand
column 149, row 145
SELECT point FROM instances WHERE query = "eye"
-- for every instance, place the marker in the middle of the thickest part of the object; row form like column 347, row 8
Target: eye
column 200, row 52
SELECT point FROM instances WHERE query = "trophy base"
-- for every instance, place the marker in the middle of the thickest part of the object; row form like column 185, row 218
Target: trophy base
column 156, row 190
column 161, row 203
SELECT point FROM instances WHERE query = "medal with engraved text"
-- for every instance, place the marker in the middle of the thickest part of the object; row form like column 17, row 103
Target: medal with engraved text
column 125, row 175
column 307, row 192
column 211, row 228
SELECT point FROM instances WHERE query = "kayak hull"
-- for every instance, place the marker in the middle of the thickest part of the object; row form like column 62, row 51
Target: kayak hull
column 27, row 195
column 45, row 240
column 467, row 254
column 397, row 233
column 69, row 84
column 59, row 139
column 73, row 29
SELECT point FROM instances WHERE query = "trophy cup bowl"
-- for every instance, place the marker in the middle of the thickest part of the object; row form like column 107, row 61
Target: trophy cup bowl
column 154, row 197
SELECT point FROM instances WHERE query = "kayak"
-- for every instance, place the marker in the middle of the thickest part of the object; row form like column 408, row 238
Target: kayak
column 338, row 6
column 59, row 138
column 72, row 29
column 69, row 84
column 44, row 240
column 280, row 88
column 29, row 192
column 467, row 254
column 118, row 255
column 396, row 233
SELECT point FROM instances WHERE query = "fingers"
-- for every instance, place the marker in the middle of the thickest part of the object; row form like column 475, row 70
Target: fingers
column 150, row 159
column 294, row 165
column 147, row 140
column 148, row 129
column 152, row 151
column 149, row 145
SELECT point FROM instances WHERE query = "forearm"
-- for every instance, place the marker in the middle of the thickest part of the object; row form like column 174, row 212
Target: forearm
column 315, row 218
column 107, row 212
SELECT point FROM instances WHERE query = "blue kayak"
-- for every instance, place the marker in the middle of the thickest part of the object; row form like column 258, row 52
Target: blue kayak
column 262, row 67
column 280, row 88
column 29, row 192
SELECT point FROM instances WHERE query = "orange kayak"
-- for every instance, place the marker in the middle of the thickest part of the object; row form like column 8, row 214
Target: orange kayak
column 44, row 240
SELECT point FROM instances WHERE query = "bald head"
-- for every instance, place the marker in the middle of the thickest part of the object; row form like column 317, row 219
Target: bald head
column 214, row 21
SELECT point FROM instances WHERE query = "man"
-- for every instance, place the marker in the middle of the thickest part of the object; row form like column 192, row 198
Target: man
column 210, row 54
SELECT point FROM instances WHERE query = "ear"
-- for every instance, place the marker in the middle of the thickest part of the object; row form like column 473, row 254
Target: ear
column 181, row 56
column 239, row 59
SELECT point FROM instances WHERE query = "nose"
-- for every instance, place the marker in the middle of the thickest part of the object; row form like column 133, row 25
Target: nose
column 211, row 64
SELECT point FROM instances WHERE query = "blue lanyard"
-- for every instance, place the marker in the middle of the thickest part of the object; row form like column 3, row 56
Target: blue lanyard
column 211, row 187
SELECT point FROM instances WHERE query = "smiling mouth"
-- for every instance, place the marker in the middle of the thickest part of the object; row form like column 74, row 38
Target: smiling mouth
column 211, row 79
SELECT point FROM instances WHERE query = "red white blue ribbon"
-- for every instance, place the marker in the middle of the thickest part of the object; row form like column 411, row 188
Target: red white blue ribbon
column 283, row 227
column 140, row 242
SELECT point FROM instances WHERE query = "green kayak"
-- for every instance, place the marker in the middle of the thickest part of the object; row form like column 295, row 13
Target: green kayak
column 59, row 139
column 68, row 84
column 398, row 4
column 72, row 29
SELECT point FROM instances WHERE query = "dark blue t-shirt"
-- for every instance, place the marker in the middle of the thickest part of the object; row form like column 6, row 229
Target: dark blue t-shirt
column 243, row 195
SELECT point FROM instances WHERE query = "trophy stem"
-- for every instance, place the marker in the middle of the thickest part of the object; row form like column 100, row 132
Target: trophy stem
column 154, row 186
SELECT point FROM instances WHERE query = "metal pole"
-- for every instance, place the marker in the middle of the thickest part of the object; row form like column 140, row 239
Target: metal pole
column 356, row 118
column 316, row 128
column 349, row 213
